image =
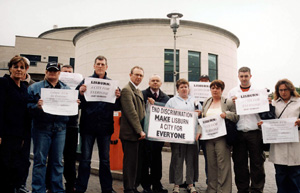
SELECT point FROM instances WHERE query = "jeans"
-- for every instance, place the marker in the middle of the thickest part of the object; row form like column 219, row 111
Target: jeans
column 105, row 176
column 48, row 143
column 287, row 178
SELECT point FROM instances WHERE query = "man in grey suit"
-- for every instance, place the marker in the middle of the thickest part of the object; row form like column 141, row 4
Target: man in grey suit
column 131, row 131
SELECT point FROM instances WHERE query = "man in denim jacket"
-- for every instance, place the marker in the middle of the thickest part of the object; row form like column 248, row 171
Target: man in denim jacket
column 48, row 132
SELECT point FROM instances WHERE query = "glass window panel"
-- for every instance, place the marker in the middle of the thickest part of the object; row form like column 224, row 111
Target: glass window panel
column 194, row 65
column 212, row 67
column 32, row 58
column 169, row 65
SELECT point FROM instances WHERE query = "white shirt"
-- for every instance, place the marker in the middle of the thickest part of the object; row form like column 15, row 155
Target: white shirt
column 246, row 122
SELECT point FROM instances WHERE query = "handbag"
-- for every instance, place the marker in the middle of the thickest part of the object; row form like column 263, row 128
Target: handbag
column 232, row 132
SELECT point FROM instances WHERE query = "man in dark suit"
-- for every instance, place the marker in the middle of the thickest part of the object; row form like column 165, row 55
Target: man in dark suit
column 150, row 157
column 131, row 130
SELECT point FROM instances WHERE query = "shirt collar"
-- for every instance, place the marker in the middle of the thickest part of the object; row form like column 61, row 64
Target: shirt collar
column 157, row 92
column 136, row 87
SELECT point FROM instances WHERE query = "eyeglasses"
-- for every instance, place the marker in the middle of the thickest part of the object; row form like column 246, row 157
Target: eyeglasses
column 140, row 75
column 283, row 90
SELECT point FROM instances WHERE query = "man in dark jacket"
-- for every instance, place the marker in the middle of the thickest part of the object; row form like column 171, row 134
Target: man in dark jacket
column 96, row 122
column 151, row 159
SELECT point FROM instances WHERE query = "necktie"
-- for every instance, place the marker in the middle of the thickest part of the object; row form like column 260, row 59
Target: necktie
column 155, row 95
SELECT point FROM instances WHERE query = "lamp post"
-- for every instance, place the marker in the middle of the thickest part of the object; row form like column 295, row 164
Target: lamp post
column 174, row 24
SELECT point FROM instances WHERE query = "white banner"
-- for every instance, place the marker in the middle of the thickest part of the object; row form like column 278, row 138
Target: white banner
column 212, row 127
column 251, row 102
column 98, row 89
column 171, row 125
column 59, row 101
column 280, row 130
column 70, row 79
column 200, row 90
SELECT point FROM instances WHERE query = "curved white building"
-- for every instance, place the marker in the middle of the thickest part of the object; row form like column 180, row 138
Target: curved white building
column 149, row 43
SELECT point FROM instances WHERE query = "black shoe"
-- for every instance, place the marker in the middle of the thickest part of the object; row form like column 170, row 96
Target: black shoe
column 23, row 189
column 111, row 191
column 160, row 190
column 136, row 191
column 147, row 190
column 184, row 185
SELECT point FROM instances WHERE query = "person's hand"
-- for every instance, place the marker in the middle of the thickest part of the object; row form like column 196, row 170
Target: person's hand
column 82, row 89
column 198, row 136
column 259, row 124
column 151, row 100
column 118, row 93
column 233, row 99
column 0, row 140
column 270, row 100
column 40, row 104
column 199, row 112
column 297, row 123
column 223, row 115
column 143, row 135
column 78, row 101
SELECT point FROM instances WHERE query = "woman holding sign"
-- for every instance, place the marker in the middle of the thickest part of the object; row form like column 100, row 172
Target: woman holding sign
column 183, row 152
column 218, row 152
column 286, row 156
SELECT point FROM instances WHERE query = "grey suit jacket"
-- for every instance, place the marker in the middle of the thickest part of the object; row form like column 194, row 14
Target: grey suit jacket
column 133, row 112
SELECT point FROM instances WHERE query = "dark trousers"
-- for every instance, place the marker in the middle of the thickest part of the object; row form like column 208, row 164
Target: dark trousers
column 150, row 159
column 287, row 178
column 249, row 145
column 10, row 150
column 25, row 161
column 130, row 164
column 84, row 169
column 70, row 156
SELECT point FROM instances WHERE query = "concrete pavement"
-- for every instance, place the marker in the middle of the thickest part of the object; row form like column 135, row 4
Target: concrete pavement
column 94, row 187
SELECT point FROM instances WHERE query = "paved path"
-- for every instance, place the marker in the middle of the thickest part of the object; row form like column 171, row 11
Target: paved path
column 94, row 187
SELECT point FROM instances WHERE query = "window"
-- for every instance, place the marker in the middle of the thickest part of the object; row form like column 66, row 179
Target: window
column 212, row 67
column 72, row 63
column 169, row 65
column 32, row 58
column 52, row 59
column 194, row 65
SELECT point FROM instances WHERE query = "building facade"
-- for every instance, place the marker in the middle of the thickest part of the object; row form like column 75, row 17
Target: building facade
column 149, row 43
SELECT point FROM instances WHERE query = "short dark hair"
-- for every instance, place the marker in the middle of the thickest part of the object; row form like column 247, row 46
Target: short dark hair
column 218, row 84
column 136, row 67
column 67, row 66
column 245, row 69
column 289, row 86
column 100, row 58
column 16, row 59
column 181, row 81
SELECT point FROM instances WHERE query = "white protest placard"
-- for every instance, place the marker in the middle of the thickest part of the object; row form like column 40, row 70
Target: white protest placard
column 171, row 125
column 280, row 130
column 70, row 79
column 200, row 90
column 212, row 127
column 59, row 101
column 98, row 89
column 254, row 101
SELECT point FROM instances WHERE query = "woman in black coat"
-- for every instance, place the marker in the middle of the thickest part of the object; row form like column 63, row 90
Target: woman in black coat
column 14, row 123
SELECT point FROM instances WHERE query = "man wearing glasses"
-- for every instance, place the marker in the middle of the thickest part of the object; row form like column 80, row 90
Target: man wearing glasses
column 131, row 131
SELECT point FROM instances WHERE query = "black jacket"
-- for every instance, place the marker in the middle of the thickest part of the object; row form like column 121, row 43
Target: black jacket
column 97, row 117
column 162, row 98
column 14, row 116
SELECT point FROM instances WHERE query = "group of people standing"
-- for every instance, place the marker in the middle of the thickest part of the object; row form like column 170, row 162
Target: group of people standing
column 55, row 136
